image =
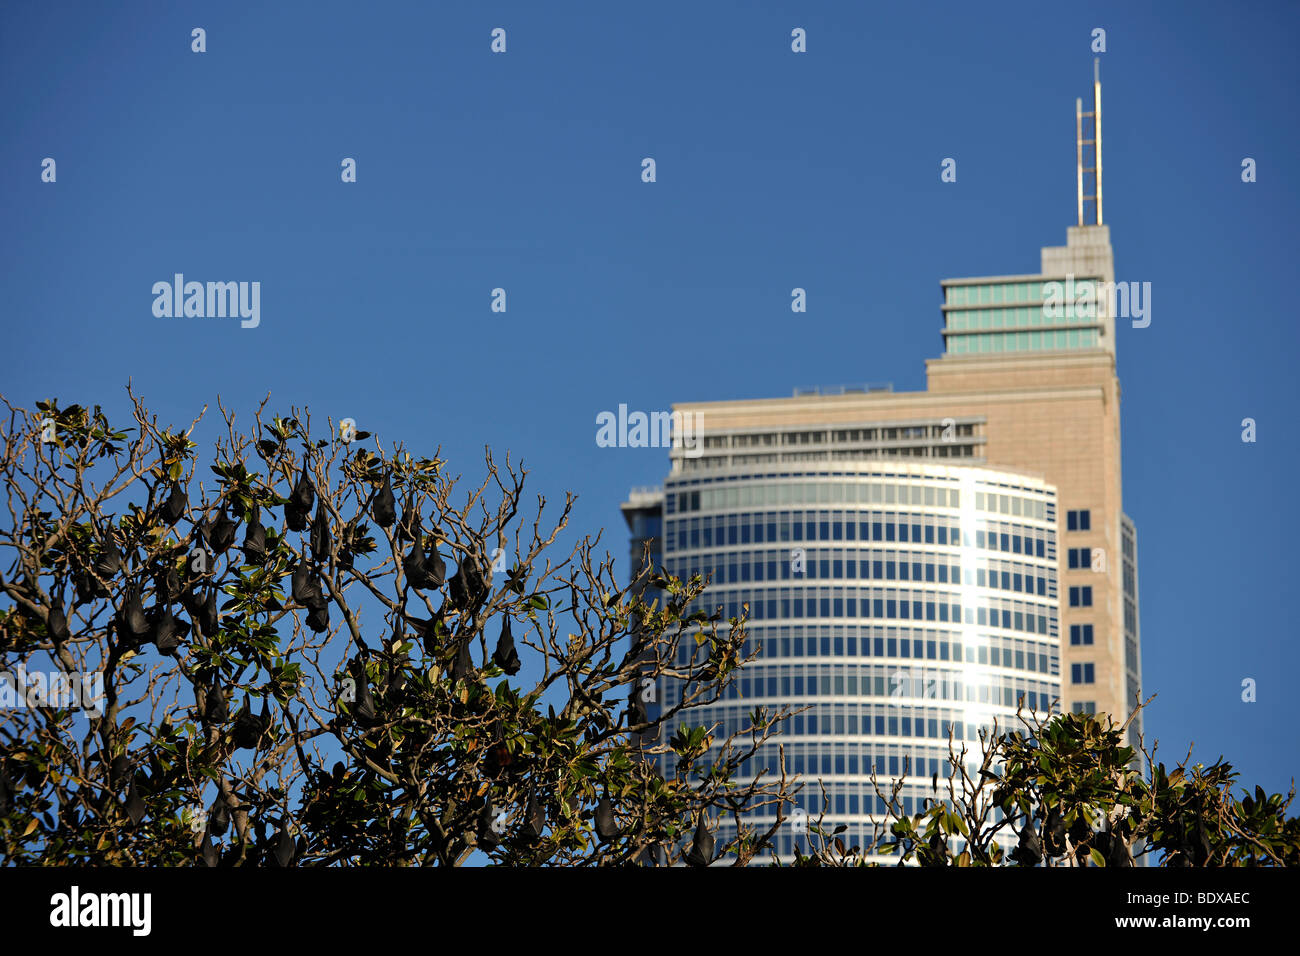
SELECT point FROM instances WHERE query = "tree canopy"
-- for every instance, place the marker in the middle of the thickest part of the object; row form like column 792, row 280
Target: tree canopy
column 312, row 652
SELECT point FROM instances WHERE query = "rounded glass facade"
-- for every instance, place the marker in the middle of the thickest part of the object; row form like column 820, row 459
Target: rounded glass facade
column 889, row 602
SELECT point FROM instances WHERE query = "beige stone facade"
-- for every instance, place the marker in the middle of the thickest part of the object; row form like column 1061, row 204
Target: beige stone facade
column 1052, row 414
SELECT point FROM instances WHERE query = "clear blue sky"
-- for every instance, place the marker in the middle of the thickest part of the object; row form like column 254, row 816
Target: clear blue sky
column 775, row 170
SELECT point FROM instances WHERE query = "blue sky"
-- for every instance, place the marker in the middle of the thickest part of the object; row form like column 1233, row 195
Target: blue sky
column 775, row 170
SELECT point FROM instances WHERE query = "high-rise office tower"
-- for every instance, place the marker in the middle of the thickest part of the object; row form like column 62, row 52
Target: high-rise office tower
column 971, row 534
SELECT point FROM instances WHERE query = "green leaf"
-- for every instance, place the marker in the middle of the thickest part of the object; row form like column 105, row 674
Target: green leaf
column 1096, row 857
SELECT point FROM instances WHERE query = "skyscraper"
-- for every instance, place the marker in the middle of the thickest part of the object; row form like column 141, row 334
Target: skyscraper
column 973, row 532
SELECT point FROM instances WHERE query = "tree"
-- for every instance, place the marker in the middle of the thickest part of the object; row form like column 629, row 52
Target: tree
column 1066, row 791
column 310, row 662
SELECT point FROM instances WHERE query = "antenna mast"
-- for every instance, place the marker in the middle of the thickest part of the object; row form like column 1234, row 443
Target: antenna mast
column 1095, row 169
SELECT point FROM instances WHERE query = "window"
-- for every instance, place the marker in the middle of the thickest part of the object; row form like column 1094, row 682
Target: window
column 1084, row 707
column 1082, row 674
column 1078, row 520
column 1081, row 597
column 1080, row 634
column 1081, row 558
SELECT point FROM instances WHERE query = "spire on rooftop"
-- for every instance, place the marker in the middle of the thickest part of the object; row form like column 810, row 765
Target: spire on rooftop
column 1091, row 173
